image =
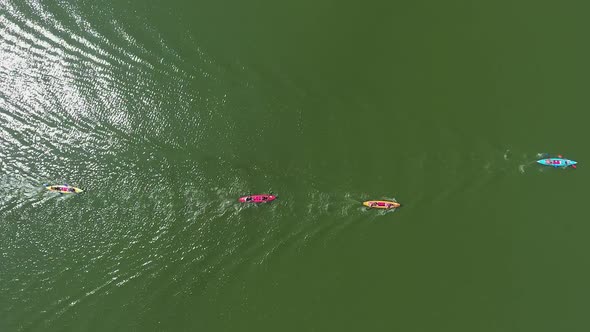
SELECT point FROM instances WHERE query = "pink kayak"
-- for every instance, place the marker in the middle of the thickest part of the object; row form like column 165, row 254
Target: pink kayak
column 257, row 198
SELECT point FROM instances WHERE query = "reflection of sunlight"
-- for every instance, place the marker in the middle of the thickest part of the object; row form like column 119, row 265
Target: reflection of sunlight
column 45, row 75
column 57, row 91
column 72, row 100
column 81, row 109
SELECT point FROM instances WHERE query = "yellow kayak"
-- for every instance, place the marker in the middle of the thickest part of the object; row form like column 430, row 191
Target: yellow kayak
column 382, row 204
column 64, row 189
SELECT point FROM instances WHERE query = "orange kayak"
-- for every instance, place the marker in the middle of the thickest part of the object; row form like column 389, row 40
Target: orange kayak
column 382, row 204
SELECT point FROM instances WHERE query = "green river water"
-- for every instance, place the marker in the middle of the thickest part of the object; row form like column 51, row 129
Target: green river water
column 165, row 112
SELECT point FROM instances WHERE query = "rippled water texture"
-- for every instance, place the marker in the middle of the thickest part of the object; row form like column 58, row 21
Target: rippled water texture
column 166, row 113
column 120, row 119
column 85, row 108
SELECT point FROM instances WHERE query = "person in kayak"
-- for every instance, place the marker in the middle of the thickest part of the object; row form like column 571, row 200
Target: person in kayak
column 382, row 204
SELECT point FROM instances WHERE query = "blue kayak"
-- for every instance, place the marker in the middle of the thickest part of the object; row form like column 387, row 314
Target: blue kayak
column 557, row 162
